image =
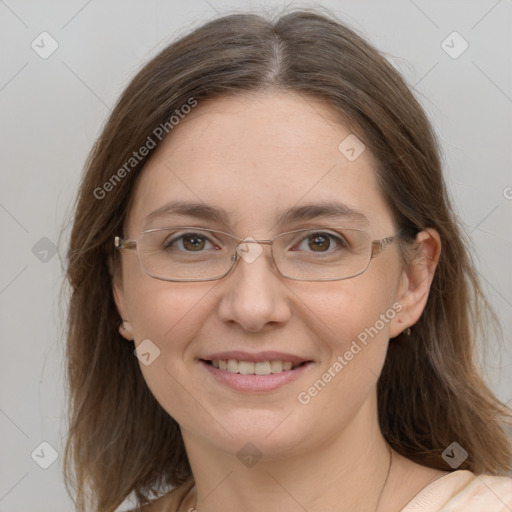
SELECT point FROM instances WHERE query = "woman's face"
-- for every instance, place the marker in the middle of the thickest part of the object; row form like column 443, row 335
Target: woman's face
column 255, row 158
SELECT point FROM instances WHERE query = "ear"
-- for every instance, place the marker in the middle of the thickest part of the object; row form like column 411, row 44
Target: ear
column 125, row 328
column 416, row 280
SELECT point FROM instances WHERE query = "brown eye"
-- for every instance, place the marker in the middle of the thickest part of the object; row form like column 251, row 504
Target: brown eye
column 193, row 242
column 319, row 242
column 187, row 242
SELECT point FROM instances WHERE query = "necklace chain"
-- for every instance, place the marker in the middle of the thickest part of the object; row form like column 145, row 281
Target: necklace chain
column 381, row 491
column 387, row 476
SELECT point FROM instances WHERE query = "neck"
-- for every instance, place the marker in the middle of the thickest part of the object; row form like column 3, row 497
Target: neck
column 345, row 473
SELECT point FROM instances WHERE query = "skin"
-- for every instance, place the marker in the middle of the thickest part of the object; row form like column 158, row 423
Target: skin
column 254, row 156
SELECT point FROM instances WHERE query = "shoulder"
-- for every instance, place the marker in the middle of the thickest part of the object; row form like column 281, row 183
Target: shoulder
column 463, row 490
column 180, row 499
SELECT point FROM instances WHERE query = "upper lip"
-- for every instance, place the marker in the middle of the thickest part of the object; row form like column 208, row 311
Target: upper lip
column 255, row 357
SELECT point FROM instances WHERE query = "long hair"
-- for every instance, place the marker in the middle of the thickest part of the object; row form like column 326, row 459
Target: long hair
column 429, row 393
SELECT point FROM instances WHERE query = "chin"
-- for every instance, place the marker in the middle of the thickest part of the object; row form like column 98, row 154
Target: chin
column 271, row 433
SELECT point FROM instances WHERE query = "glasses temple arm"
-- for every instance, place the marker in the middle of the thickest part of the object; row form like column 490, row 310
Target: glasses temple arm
column 124, row 244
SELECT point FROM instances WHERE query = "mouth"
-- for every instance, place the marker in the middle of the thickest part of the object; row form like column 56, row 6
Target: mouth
column 254, row 368
column 255, row 373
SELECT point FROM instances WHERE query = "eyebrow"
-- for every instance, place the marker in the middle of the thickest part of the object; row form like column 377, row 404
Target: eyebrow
column 332, row 209
column 198, row 210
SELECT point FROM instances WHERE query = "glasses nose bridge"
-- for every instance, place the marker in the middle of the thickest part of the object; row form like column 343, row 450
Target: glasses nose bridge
column 267, row 242
column 270, row 242
column 240, row 243
column 250, row 240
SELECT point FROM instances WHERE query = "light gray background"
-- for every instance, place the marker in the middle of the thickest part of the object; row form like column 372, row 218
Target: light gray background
column 53, row 109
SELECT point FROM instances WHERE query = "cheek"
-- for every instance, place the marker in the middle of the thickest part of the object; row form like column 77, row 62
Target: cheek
column 348, row 308
column 167, row 313
column 352, row 320
column 170, row 315
column 355, row 320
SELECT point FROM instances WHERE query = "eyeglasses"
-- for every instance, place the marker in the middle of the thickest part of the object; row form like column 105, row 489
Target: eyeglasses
column 185, row 253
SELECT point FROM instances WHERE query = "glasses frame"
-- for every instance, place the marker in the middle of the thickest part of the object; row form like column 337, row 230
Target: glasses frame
column 377, row 246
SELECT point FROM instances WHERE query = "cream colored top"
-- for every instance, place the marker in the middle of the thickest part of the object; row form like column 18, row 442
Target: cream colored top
column 460, row 491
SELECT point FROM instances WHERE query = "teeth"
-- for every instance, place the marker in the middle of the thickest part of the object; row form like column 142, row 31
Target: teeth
column 245, row 367
column 250, row 368
column 232, row 366
column 262, row 368
column 276, row 366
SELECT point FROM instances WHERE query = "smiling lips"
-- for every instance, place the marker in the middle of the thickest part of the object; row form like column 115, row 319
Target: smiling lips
column 253, row 368
column 247, row 372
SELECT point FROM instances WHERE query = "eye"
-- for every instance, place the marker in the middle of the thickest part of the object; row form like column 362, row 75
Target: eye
column 189, row 242
column 321, row 241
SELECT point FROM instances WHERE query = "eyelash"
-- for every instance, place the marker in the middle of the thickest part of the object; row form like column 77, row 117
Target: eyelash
column 339, row 240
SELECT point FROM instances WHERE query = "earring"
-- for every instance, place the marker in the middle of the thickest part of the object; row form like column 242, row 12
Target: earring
column 123, row 330
column 120, row 325
column 407, row 331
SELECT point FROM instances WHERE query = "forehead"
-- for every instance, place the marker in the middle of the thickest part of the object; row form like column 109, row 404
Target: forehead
column 255, row 156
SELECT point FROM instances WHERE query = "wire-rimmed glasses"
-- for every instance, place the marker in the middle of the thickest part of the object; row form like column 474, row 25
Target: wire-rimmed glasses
column 188, row 253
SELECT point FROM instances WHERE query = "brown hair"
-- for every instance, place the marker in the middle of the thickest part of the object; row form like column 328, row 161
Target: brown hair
column 430, row 393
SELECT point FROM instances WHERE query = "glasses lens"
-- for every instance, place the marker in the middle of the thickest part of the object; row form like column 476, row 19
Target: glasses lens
column 185, row 253
column 323, row 254
column 192, row 254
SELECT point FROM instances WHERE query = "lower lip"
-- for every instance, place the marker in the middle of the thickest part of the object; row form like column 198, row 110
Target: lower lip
column 256, row 383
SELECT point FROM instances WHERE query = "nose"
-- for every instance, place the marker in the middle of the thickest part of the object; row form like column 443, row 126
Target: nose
column 254, row 295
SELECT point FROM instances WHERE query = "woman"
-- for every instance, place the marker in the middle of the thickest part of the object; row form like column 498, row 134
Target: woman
column 273, row 306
